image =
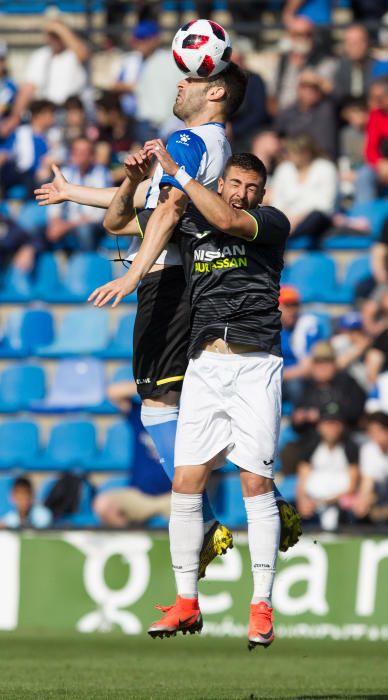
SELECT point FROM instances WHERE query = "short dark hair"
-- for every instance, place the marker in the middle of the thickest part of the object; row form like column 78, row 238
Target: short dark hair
column 38, row 106
column 247, row 161
column 109, row 101
column 234, row 81
column 378, row 417
column 22, row 482
column 73, row 102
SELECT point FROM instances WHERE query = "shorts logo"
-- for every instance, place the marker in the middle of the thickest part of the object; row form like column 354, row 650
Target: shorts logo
column 143, row 381
column 270, row 461
column 184, row 139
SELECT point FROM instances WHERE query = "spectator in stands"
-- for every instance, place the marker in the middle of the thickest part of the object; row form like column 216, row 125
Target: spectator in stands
column 317, row 11
column 54, row 72
column 301, row 50
column 372, row 497
column 148, row 491
column 8, row 88
column 252, row 114
column 328, row 472
column 354, row 72
column 14, row 242
column 24, row 155
column 350, row 344
column 267, row 146
column 25, row 512
column 144, row 41
column 376, row 361
column 83, row 223
column 115, row 134
column 354, row 114
column 75, row 125
column 378, row 395
column 305, row 188
column 299, row 333
column 313, row 113
column 375, row 311
column 372, row 179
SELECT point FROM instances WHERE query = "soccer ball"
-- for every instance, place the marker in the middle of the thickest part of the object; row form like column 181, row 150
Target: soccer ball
column 201, row 48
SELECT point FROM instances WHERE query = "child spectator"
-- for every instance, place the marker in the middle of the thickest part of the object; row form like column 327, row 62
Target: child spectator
column 328, row 471
column 372, row 497
column 25, row 512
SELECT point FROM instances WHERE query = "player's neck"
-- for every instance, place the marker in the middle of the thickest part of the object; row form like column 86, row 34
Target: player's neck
column 205, row 118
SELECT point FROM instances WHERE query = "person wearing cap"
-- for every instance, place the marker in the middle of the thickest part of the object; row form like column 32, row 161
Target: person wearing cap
column 144, row 41
column 350, row 344
column 298, row 335
column 8, row 88
column 328, row 472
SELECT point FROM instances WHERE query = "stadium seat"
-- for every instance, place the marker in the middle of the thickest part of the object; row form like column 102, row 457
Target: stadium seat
column 314, row 275
column 24, row 331
column 15, row 286
column 376, row 211
column 45, row 277
column 20, row 384
column 121, row 345
column 77, row 385
column 71, row 446
column 84, row 272
column 117, row 451
column 233, row 509
column 122, row 374
column 31, row 216
column 19, row 444
column 358, row 269
column 344, row 242
column 82, row 332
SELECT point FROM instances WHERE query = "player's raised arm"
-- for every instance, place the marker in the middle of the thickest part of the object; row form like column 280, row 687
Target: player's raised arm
column 120, row 218
column 60, row 190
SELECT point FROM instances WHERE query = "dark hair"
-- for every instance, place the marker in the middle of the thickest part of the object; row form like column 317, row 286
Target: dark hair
column 73, row 102
column 38, row 106
column 109, row 101
column 247, row 161
column 234, row 81
column 378, row 417
column 22, row 482
column 382, row 80
column 304, row 142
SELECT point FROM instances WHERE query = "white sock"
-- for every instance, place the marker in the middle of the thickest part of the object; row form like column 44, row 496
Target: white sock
column 263, row 537
column 186, row 538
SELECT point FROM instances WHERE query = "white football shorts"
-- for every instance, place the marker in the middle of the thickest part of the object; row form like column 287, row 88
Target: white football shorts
column 231, row 402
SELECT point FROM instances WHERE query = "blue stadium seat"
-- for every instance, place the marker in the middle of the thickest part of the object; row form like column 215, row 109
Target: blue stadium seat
column 122, row 374
column 19, row 444
column 344, row 242
column 84, row 272
column 77, row 385
column 358, row 269
column 31, row 216
column 15, row 286
column 376, row 211
column 71, row 446
column 82, row 332
column 117, row 451
column 314, row 275
column 233, row 509
column 45, row 278
column 6, row 504
column 24, row 331
column 20, row 384
column 121, row 345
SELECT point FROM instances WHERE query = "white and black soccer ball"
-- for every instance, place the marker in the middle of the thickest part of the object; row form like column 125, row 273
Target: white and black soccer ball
column 201, row 48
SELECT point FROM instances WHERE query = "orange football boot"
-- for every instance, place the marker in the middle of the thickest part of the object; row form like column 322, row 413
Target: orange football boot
column 184, row 616
column 260, row 626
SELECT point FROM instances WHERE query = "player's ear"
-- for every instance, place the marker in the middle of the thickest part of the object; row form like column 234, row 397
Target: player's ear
column 216, row 93
column 220, row 185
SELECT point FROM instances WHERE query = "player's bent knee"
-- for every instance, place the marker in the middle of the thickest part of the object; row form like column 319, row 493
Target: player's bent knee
column 255, row 484
column 189, row 479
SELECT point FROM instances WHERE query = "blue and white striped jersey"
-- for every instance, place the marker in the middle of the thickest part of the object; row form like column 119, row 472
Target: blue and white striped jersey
column 203, row 151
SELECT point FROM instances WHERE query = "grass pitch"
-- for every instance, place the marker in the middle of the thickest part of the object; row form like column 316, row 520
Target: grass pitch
column 110, row 667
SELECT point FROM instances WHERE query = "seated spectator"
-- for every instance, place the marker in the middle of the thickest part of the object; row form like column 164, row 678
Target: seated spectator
column 312, row 113
column 350, row 344
column 13, row 238
column 354, row 114
column 298, row 335
column 305, row 188
column 83, row 223
column 148, row 491
column 8, row 88
column 328, row 472
column 114, row 136
column 378, row 395
column 372, row 498
column 75, row 125
column 372, row 178
column 354, row 72
column 24, row 155
column 375, row 311
column 299, row 49
column 25, row 512
column 252, row 114
column 54, row 72
column 376, row 361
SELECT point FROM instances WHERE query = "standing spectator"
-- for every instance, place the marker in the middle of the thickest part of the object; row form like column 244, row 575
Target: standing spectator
column 24, row 154
column 313, row 113
column 82, row 222
column 354, row 72
column 54, row 72
column 305, row 188
column 372, row 497
column 301, row 51
column 252, row 114
column 25, row 512
column 372, row 179
column 8, row 88
column 328, row 472
column 299, row 334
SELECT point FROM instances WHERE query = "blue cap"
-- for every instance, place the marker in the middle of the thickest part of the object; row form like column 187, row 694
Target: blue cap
column 351, row 321
column 146, row 29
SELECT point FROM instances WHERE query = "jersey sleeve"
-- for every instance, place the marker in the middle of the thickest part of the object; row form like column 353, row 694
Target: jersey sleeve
column 272, row 226
column 187, row 149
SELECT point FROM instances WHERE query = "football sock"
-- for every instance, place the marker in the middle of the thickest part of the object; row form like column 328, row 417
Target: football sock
column 160, row 424
column 263, row 538
column 186, row 538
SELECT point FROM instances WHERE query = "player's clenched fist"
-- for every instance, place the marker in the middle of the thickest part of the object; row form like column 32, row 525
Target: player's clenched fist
column 117, row 289
column 137, row 165
column 156, row 148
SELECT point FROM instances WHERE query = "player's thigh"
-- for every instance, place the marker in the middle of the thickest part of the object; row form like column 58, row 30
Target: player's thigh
column 256, row 412
column 203, row 430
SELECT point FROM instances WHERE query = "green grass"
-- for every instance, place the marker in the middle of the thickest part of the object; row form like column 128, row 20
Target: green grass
column 110, row 667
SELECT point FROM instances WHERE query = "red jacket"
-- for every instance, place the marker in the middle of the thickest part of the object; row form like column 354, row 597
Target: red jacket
column 376, row 130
